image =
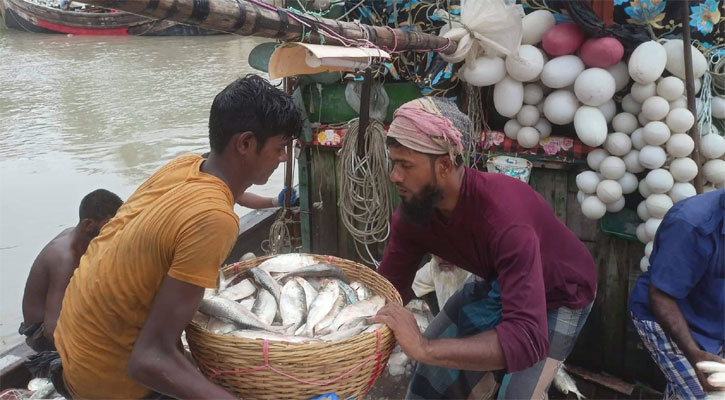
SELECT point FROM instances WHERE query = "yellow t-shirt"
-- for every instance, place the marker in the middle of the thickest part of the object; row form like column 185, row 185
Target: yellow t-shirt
column 179, row 223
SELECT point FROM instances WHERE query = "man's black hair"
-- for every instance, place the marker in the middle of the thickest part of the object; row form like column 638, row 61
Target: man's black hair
column 99, row 205
column 252, row 104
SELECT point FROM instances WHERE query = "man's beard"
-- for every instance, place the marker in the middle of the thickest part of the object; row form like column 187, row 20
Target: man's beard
column 420, row 208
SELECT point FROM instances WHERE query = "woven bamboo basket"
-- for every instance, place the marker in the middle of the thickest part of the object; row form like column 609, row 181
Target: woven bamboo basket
column 258, row 369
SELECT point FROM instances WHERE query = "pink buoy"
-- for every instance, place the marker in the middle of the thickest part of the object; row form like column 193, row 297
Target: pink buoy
column 562, row 39
column 601, row 52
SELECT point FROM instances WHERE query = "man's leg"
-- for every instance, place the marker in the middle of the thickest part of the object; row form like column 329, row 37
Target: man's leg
column 533, row 383
column 681, row 378
column 473, row 309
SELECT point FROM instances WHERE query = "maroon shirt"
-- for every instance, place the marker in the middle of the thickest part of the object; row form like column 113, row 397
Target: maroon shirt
column 502, row 229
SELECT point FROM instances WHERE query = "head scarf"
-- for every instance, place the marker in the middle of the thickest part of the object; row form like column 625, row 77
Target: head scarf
column 431, row 125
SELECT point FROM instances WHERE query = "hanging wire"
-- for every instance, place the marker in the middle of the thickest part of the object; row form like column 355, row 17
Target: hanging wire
column 365, row 201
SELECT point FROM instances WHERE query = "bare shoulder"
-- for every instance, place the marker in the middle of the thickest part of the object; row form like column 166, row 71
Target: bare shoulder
column 57, row 254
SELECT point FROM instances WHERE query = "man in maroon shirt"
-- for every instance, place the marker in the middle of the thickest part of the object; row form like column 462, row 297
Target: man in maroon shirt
column 534, row 281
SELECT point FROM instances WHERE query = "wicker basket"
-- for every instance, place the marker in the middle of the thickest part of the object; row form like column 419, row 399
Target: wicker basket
column 258, row 369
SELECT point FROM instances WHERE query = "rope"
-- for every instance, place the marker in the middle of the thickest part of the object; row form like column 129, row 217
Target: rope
column 714, row 77
column 265, row 352
column 365, row 201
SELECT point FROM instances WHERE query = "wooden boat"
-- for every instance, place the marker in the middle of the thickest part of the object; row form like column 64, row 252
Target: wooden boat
column 30, row 17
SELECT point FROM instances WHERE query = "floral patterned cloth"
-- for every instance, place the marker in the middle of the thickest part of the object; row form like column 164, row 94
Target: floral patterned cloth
column 707, row 24
column 552, row 146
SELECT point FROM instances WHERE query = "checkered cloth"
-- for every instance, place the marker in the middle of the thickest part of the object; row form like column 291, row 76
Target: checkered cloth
column 682, row 380
column 477, row 308
column 553, row 146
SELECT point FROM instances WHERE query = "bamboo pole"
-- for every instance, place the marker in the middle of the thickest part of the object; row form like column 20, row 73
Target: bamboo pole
column 690, row 88
column 248, row 19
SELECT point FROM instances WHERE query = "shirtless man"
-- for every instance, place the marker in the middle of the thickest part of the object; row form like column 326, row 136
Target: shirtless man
column 54, row 267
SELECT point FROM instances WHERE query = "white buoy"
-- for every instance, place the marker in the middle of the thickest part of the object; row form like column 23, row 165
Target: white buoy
column 628, row 182
column 595, row 158
column 560, row 107
column 712, row 146
column 637, row 139
column 587, row 182
column 621, row 75
column 561, row 72
column 535, row 24
column 528, row 115
column 670, row 88
column 618, row 144
column 648, row 249
column 630, row 105
column 644, row 264
column 659, row 181
column 643, row 91
column 593, row 208
column 527, row 137
column 631, row 162
column 675, row 55
column 655, row 108
column 590, row 126
column 680, row 120
column 533, row 94
column 644, row 189
column 616, row 206
column 624, row 122
column 652, row 157
column 641, row 233
column 658, row 205
column 681, row 191
column 485, row 71
column 680, row 145
column 544, row 128
column 647, row 62
column 612, row 168
column 683, row 169
column 511, row 128
column 594, row 87
column 651, row 227
column 656, row 133
column 609, row 110
column 609, row 191
column 714, row 171
column 642, row 211
column 508, row 97
column 526, row 65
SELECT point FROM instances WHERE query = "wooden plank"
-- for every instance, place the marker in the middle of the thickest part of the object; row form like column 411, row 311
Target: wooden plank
column 585, row 229
column 561, row 195
column 323, row 201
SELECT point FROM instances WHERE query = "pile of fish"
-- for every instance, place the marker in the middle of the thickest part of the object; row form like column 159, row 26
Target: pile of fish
column 291, row 298
column 38, row 388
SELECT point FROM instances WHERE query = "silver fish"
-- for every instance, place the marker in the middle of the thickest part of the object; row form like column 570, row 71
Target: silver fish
column 350, row 293
column 285, row 263
column 239, row 291
column 37, row 383
column 247, row 334
column 318, row 271
column 372, row 328
column 362, row 291
column 44, row 391
column 321, row 306
column 310, row 292
column 344, row 333
column 361, row 321
column 224, row 308
column 219, row 326
column 265, row 280
column 323, row 327
column 265, row 306
column 565, row 383
column 364, row 308
column 292, row 305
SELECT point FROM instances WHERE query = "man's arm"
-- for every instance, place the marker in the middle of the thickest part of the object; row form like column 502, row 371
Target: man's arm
column 253, row 201
column 668, row 315
column 156, row 361
column 58, row 278
column 480, row 352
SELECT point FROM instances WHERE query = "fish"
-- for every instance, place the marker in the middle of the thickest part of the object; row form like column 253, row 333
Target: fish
column 220, row 326
column 362, row 291
column 318, row 271
column 208, row 293
column 293, row 305
column 710, row 367
column 324, row 325
column 265, row 306
column 249, row 334
column 361, row 321
column 265, row 280
column 310, row 292
column 364, row 308
column 248, row 303
column 37, row 383
column 350, row 293
column 343, row 333
column 44, row 391
column 285, row 263
column 372, row 328
column 565, row 383
column 717, row 380
column 239, row 291
column 322, row 305
column 220, row 307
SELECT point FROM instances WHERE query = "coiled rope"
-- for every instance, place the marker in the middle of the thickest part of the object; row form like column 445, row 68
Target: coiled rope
column 365, row 201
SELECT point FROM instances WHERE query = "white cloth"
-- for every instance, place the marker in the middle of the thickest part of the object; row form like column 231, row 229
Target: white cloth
column 444, row 282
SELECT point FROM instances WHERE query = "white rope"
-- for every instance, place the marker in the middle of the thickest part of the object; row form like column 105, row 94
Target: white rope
column 710, row 79
column 365, row 201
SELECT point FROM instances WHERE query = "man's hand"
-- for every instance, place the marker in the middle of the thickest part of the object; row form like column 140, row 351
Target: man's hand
column 402, row 322
column 280, row 197
column 695, row 358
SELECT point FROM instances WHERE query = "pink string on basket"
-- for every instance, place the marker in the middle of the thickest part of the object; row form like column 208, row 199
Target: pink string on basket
column 265, row 352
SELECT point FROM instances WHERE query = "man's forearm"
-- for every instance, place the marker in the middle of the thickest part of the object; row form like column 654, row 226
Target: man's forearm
column 670, row 318
column 480, row 352
column 173, row 375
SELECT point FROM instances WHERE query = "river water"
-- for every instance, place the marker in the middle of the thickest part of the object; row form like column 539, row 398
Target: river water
column 79, row 113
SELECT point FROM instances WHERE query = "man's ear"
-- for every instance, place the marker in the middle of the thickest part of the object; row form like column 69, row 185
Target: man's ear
column 244, row 142
column 87, row 225
column 444, row 165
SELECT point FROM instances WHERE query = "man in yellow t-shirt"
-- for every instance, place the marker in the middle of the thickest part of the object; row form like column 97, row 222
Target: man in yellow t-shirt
column 142, row 279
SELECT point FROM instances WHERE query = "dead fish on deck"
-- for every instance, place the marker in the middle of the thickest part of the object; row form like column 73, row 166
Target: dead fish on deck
column 362, row 291
column 565, row 383
column 220, row 307
column 310, row 292
column 247, row 334
column 239, row 291
column 292, row 305
column 322, row 305
column 318, row 271
column 285, row 263
column 265, row 280
column 265, row 306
